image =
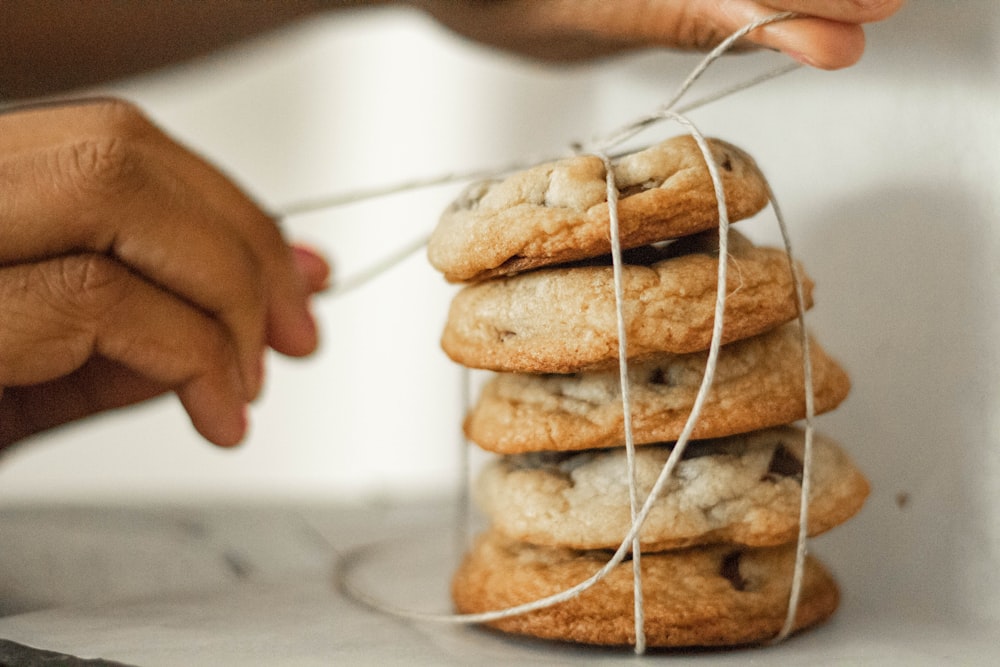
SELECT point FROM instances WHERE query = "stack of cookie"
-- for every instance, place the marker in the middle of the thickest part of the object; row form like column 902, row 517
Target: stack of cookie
column 539, row 310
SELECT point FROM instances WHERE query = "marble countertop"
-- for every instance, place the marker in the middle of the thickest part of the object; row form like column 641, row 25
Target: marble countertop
column 257, row 584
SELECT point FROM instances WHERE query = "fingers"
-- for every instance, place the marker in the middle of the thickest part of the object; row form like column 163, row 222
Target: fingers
column 290, row 328
column 101, row 195
column 73, row 316
column 99, row 177
column 830, row 36
column 817, row 42
column 313, row 268
column 185, row 280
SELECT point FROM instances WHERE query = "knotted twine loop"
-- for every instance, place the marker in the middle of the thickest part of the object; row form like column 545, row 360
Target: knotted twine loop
column 631, row 543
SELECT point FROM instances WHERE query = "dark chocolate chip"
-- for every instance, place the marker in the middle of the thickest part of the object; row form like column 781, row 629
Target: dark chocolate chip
column 658, row 377
column 783, row 464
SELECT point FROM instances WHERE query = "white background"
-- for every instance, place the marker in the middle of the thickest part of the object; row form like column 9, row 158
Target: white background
column 888, row 174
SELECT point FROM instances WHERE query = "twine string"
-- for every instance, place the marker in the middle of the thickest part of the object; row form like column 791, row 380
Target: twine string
column 629, row 130
column 639, row 612
column 700, row 399
column 801, row 540
column 600, row 147
column 668, row 468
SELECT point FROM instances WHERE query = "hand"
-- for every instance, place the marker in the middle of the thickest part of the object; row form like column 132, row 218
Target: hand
column 830, row 38
column 130, row 267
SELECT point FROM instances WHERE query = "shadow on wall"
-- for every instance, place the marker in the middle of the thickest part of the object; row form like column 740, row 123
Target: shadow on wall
column 909, row 292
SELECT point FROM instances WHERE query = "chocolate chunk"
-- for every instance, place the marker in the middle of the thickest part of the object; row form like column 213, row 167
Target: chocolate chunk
column 783, row 464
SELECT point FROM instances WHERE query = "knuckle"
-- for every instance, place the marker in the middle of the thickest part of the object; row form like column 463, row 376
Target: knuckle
column 108, row 160
column 89, row 283
column 105, row 166
column 692, row 28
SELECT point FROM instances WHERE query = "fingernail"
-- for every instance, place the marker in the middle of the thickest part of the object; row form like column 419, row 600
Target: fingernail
column 798, row 56
column 313, row 267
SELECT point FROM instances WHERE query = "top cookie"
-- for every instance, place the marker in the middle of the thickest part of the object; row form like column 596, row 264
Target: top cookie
column 558, row 212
